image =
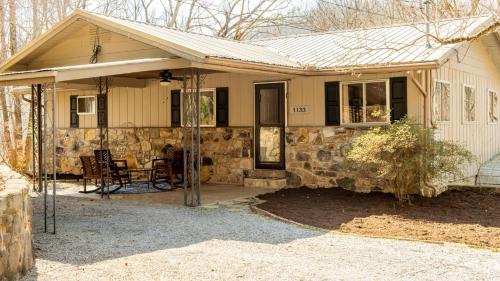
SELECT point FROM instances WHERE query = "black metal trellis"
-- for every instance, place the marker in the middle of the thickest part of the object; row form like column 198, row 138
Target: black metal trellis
column 191, row 137
column 39, row 100
column 103, row 85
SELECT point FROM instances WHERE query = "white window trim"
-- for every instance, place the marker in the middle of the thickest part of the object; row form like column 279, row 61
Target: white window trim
column 488, row 91
column 214, row 90
column 93, row 108
column 363, row 82
column 441, row 122
column 465, row 122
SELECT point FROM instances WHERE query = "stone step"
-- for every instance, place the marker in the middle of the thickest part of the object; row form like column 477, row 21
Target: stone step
column 276, row 183
column 266, row 174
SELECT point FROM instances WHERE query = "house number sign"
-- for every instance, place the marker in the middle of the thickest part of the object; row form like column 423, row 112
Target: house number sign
column 300, row 109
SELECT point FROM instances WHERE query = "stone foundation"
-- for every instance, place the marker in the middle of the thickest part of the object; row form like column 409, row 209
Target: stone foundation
column 315, row 156
column 16, row 256
column 226, row 152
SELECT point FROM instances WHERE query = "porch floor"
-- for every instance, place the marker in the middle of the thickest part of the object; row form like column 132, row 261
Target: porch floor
column 210, row 193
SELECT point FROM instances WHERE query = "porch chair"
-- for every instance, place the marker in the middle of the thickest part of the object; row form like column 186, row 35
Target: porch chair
column 118, row 168
column 90, row 172
column 167, row 169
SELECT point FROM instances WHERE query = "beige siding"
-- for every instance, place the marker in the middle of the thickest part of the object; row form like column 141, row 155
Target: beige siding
column 477, row 69
column 76, row 48
column 150, row 106
column 310, row 91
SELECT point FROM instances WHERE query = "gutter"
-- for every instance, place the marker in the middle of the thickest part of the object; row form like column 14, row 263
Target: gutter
column 16, row 79
column 229, row 63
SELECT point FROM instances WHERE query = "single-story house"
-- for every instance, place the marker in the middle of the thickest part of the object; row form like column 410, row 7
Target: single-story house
column 276, row 108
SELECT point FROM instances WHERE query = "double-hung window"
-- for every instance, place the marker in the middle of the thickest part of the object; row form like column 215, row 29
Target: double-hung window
column 441, row 102
column 86, row 105
column 365, row 102
column 469, row 104
column 207, row 108
column 492, row 107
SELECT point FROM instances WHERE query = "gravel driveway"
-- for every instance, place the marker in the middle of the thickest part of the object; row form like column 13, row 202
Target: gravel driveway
column 107, row 240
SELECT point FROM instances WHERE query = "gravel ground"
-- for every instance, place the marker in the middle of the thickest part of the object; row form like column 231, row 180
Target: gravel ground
column 106, row 240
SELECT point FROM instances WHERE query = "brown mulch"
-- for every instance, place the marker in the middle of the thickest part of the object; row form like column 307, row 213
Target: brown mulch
column 468, row 217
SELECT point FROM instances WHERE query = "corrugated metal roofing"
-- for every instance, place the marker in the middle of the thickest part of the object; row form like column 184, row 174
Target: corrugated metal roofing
column 374, row 46
column 361, row 48
column 210, row 46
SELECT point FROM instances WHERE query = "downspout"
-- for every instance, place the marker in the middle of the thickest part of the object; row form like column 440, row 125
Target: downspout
column 430, row 100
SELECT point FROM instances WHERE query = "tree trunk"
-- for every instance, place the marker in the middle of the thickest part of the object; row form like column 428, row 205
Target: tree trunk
column 19, row 161
column 8, row 152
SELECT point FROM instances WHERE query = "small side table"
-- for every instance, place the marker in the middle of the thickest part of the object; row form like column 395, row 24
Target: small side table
column 146, row 171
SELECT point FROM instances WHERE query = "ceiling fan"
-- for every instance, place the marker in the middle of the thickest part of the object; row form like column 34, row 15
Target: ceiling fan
column 166, row 78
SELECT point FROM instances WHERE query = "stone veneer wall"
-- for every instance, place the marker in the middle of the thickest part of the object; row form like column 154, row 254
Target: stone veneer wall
column 314, row 157
column 226, row 152
column 16, row 256
column 313, row 154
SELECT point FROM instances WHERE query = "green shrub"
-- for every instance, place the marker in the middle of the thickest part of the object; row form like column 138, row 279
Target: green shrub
column 409, row 158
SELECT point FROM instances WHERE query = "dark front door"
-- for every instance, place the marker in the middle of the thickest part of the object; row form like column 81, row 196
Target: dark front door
column 270, row 126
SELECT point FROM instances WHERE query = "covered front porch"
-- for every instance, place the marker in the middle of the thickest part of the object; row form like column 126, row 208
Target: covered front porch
column 135, row 108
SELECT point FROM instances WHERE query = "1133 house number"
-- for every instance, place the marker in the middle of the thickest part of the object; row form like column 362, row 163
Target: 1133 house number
column 300, row 109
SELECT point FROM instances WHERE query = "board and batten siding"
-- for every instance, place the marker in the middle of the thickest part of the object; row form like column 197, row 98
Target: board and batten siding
column 75, row 45
column 150, row 106
column 472, row 65
column 310, row 92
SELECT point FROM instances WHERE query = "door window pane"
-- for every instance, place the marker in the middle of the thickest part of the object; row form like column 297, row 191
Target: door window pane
column 352, row 103
column 376, row 102
column 269, row 106
column 269, row 150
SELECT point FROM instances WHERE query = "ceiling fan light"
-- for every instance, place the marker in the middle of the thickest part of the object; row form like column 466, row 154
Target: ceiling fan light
column 165, row 82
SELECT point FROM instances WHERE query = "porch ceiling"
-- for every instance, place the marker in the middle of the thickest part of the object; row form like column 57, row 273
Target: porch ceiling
column 142, row 68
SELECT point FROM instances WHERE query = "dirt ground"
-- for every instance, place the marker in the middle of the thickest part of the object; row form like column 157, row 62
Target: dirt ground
column 466, row 217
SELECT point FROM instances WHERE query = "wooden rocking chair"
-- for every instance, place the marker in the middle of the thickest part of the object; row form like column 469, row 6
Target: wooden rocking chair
column 118, row 169
column 90, row 172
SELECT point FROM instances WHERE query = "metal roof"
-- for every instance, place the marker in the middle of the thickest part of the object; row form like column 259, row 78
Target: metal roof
column 209, row 46
column 385, row 45
column 372, row 48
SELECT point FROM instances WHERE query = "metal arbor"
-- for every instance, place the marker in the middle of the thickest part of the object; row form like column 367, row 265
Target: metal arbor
column 191, row 136
column 39, row 131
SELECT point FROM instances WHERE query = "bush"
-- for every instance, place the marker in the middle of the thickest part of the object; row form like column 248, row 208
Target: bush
column 409, row 158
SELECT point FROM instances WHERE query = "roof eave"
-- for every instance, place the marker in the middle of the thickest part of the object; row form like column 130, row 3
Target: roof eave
column 378, row 68
column 44, row 37
column 28, row 78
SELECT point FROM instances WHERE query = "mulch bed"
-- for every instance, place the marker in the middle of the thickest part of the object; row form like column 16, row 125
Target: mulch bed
column 468, row 217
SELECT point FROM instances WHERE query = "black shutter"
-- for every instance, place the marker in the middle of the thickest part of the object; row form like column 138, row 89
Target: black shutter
column 222, row 108
column 399, row 107
column 73, row 107
column 175, row 108
column 102, row 110
column 332, row 104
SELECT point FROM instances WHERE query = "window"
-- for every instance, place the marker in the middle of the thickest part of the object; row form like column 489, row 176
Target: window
column 441, row 102
column 492, row 107
column 207, row 108
column 469, row 104
column 86, row 105
column 365, row 102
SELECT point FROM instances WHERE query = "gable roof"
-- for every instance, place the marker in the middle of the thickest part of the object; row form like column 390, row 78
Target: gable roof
column 362, row 48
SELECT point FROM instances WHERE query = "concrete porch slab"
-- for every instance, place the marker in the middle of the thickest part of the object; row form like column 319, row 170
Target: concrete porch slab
column 210, row 194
